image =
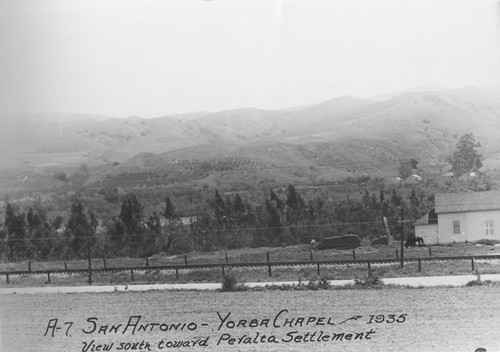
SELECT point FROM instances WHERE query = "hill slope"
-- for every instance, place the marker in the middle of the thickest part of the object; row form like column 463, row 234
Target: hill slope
column 312, row 144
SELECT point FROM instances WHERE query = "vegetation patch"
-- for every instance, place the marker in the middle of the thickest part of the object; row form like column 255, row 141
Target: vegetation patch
column 487, row 242
column 477, row 281
column 370, row 281
column 230, row 284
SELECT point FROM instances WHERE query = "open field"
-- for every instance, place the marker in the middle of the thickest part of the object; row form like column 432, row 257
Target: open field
column 261, row 274
column 288, row 253
column 437, row 319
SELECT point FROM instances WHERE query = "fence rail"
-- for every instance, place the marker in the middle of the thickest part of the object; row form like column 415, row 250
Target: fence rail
column 268, row 264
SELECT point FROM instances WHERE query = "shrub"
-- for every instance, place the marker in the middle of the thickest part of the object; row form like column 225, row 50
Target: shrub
column 370, row 281
column 474, row 283
column 478, row 281
column 320, row 283
column 230, row 284
column 60, row 176
column 487, row 242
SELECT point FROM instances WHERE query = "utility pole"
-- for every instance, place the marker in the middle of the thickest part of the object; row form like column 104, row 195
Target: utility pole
column 90, row 261
column 402, row 236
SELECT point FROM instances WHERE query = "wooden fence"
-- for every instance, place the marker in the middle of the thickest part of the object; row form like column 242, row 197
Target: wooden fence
column 223, row 266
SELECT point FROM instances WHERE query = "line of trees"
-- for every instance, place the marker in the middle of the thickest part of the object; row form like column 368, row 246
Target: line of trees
column 284, row 218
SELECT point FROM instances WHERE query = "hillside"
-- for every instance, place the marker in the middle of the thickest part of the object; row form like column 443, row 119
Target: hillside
column 314, row 144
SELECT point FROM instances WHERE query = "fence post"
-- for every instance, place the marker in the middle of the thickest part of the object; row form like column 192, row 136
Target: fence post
column 7, row 275
column 419, row 265
column 104, row 262
column 369, row 268
column 132, row 274
column 430, row 252
column 317, row 269
column 227, row 259
column 311, row 255
column 65, row 266
column 186, row 260
column 397, row 254
column 354, row 255
column 269, row 265
column 48, row 277
column 472, row 262
column 177, row 273
column 223, row 271
column 29, row 266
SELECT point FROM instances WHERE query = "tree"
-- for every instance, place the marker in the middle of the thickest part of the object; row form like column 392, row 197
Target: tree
column 366, row 199
column 116, row 231
column 238, row 205
column 219, row 207
column 93, row 223
column 57, row 222
column 279, row 203
column 273, row 222
column 39, row 231
column 396, row 200
column 169, row 209
column 15, row 225
column 466, row 157
column 154, row 228
column 111, row 194
column 294, row 201
column 406, row 167
column 33, row 220
column 78, row 229
column 229, row 206
column 296, row 213
column 131, row 214
column 127, row 230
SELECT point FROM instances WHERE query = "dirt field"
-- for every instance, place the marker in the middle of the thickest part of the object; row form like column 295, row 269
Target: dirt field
column 437, row 319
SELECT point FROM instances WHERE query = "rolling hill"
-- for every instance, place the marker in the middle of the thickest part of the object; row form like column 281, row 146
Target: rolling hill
column 316, row 143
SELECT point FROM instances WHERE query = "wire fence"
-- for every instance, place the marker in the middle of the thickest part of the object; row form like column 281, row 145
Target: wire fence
column 101, row 266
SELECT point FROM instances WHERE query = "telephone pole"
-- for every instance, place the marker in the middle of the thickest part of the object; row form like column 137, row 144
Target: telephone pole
column 402, row 236
column 90, row 261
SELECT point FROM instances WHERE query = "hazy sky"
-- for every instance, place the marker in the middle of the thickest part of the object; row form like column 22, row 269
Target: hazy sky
column 158, row 57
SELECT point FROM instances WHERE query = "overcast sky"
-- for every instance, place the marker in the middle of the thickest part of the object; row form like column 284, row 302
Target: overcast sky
column 157, row 57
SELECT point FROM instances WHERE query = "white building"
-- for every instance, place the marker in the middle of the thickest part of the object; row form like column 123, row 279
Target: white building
column 461, row 217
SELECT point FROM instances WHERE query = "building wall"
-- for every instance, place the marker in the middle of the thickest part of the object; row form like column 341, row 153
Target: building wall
column 472, row 226
column 428, row 232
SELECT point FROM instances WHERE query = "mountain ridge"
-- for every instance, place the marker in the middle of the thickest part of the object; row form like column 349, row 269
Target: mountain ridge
column 420, row 124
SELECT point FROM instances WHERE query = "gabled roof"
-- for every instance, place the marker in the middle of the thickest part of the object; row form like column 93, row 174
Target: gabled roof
column 469, row 201
column 428, row 219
